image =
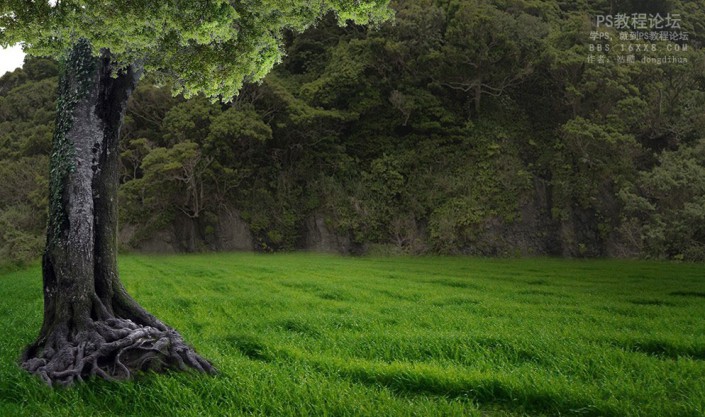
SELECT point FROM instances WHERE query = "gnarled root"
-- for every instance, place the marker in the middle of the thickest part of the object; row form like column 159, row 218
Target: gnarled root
column 113, row 349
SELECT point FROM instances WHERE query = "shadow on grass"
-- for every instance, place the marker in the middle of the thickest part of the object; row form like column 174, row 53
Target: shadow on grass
column 299, row 326
column 662, row 349
column 397, row 295
column 454, row 283
column 250, row 346
column 697, row 294
column 508, row 351
column 456, row 301
column 334, row 295
column 492, row 392
column 652, row 302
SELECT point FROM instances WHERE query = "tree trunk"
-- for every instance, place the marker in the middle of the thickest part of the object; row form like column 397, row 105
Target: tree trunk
column 91, row 325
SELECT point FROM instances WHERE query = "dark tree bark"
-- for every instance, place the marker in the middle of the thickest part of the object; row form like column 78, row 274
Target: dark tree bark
column 91, row 325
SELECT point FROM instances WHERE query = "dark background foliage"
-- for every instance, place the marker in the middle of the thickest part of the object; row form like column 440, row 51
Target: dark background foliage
column 470, row 127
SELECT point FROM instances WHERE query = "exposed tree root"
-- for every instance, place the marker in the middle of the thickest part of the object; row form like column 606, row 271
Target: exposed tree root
column 113, row 349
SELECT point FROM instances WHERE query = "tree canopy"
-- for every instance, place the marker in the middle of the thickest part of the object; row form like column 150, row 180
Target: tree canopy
column 206, row 46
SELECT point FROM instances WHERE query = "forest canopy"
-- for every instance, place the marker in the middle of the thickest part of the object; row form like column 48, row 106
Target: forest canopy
column 473, row 127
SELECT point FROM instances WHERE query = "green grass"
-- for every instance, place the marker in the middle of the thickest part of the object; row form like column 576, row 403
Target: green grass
column 304, row 334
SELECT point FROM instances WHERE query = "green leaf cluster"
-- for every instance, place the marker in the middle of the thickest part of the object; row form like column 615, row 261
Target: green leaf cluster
column 207, row 46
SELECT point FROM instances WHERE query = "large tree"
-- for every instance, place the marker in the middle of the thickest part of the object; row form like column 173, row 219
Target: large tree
column 91, row 325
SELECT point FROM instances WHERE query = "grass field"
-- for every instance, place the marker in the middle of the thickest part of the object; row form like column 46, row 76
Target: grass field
column 314, row 335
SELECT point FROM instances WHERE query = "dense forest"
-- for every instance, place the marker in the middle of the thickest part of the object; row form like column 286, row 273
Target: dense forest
column 478, row 127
